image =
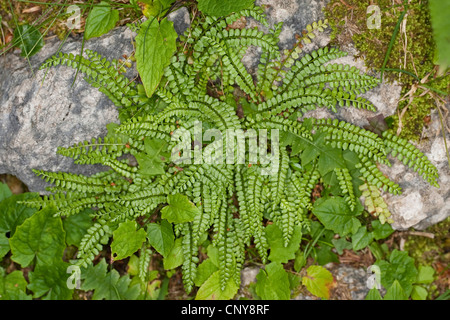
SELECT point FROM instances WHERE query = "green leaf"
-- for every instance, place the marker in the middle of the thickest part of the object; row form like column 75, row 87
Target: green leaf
column 318, row 281
column 4, row 191
column 341, row 244
column 272, row 283
column 161, row 237
column 211, row 289
column 4, row 245
column 175, row 257
column 13, row 214
column 419, row 293
column 324, row 255
column 439, row 12
column 381, row 231
column 126, row 240
column 220, row 8
column 373, row 294
column 41, row 236
column 28, row 39
column 329, row 158
column 76, row 226
column 426, row 275
column 100, row 20
column 278, row 252
column 400, row 268
column 395, row 292
column 179, row 210
column 151, row 162
column 204, row 271
column 133, row 265
column 51, row 281
column 108, row 285
column 155, row 45
column 361, row 239
column 335, row 215
column 13, row 286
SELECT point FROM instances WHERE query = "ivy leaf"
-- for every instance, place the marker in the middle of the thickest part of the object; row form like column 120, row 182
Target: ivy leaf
column 13, row 286
column 425, row 275
column 395, row 292
column 341, row 244
column 211, row 289
column 4, row 191
column 204, row 271
column 100, row 20
column 439, row 12
column 335, row 215
column 151, row 162
column 108, row 285
column 373, row 294
column 381, row 231
column 278, row 252
column 220, row 8
column 318, row 281
column 400, row 268
column 13, row 214
column 126, row 240
column 361, row 238
column 272, row 283
column 419, row 293
column 329, row 158
column 161, row 237
column 28, row 39
column 51, row 281
column 76, row 226
column 175, row 257
column 324, row 255
column 155, row 45
column 179, row 210
column 41, row 236
column 4, row 245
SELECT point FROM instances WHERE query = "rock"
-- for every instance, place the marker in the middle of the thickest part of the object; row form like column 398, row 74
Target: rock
column 421, row 205
column 42, row 111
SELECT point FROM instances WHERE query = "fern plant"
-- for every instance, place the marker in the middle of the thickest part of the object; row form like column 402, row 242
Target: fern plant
column 230, row 203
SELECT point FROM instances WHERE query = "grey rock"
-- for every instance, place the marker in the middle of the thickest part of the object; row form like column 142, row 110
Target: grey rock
column 41, row 111
column 421, row 205
column 181, row 20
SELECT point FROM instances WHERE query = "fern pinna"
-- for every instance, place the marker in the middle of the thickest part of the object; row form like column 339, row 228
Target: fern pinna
column 207, row 87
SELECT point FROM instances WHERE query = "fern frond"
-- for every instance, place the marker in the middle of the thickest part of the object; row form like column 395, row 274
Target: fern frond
column 254, row 187
column 346, row 185
column 374, row 176
column 190, row 258
column 78, row 183
column 102, row 74
column 308, row 64
column 411, row 156
column 345, row 136
column 144, row 262
column 92, row 242
column 374, row 203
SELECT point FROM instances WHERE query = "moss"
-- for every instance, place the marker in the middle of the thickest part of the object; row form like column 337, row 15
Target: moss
column 413, row 51
column 427, row 251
